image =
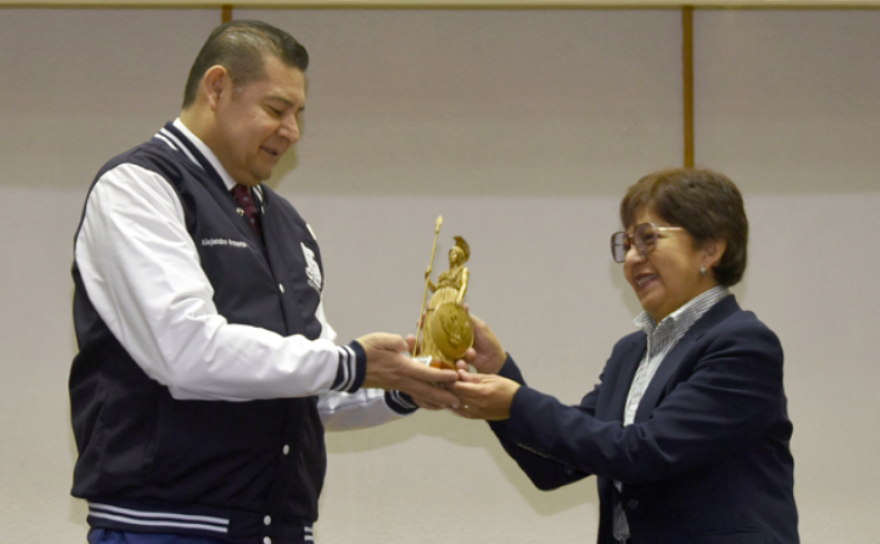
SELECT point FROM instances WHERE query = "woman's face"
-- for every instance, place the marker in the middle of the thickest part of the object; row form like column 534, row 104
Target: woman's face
column 669, row 276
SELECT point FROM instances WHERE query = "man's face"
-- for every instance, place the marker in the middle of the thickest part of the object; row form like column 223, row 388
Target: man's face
column 257, row 124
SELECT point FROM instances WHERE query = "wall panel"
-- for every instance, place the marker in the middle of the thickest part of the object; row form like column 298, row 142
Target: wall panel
column 521, row 127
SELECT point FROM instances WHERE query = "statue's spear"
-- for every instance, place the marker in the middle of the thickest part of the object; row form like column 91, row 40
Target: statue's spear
column 427, row 281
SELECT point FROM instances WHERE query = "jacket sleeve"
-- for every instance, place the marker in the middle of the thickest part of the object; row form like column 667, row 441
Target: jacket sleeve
column 545, row 471
column 364, row 408
column 341, row 411
column 141, row 271
column 724, row 397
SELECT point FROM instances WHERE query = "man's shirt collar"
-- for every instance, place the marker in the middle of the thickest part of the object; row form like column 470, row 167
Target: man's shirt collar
column 206, row 151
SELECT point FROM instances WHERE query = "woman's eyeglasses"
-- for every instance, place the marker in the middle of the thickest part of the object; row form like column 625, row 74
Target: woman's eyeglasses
column 643, row 237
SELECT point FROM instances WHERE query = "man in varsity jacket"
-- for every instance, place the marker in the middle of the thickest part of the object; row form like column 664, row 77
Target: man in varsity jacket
column 206, row 370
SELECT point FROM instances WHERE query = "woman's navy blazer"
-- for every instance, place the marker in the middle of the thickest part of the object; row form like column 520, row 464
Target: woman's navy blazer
column 707, row 458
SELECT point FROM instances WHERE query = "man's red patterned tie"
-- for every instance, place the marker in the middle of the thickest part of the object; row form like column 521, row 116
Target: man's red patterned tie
column 248, row 209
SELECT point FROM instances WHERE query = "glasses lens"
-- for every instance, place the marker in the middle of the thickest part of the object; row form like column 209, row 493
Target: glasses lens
column 645, row 237
column 619, row 246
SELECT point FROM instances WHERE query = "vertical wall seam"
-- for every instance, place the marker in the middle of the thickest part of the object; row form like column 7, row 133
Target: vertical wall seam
column 687, row 68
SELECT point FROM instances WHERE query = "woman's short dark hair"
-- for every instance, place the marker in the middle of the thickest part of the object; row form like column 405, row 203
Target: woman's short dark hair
column 239, row 46
column 706, row 203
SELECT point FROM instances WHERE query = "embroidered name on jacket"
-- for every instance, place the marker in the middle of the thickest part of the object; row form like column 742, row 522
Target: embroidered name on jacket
column 313, row 271
column 211, row 242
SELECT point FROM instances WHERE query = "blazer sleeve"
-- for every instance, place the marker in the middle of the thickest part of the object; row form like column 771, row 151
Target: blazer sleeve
column 725, row 393
column 543, row 470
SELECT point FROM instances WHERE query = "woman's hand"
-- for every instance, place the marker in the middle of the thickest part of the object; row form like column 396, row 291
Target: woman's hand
column 486, row 355
column 483, row 396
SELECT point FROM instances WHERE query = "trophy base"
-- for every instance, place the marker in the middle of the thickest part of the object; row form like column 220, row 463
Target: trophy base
column 442, row 365
column 434, row 363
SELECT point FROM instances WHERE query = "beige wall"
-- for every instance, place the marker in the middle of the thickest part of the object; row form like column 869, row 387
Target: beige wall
column 522, row 128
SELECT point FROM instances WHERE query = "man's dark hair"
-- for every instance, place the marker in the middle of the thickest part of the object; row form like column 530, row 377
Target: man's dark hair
column 707, row 204
column 239, row 46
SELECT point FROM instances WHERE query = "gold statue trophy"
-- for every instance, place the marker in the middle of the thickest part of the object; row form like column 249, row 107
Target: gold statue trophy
column 446, row 323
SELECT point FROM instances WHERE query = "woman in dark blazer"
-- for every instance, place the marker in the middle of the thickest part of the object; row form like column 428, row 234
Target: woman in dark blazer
column 687, row 431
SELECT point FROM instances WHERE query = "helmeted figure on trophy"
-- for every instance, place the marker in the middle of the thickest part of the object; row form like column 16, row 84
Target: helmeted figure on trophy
column 448, row 332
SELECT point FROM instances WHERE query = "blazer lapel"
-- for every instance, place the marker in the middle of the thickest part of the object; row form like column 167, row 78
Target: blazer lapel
column 722, row 309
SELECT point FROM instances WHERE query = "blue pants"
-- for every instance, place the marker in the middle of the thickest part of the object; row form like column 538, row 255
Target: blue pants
column 105, row 536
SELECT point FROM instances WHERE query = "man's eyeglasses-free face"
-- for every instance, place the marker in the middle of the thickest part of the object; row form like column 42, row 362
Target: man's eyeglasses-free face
column 644, row 238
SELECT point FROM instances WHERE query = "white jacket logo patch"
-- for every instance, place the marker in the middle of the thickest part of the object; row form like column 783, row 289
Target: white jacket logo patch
column 313, row 271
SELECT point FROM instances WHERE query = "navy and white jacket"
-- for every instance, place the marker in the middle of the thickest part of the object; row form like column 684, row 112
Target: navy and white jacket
column 205, row 364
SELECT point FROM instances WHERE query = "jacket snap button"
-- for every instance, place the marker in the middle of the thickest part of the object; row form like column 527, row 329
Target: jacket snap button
column 267, row 520
column 633, row 504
